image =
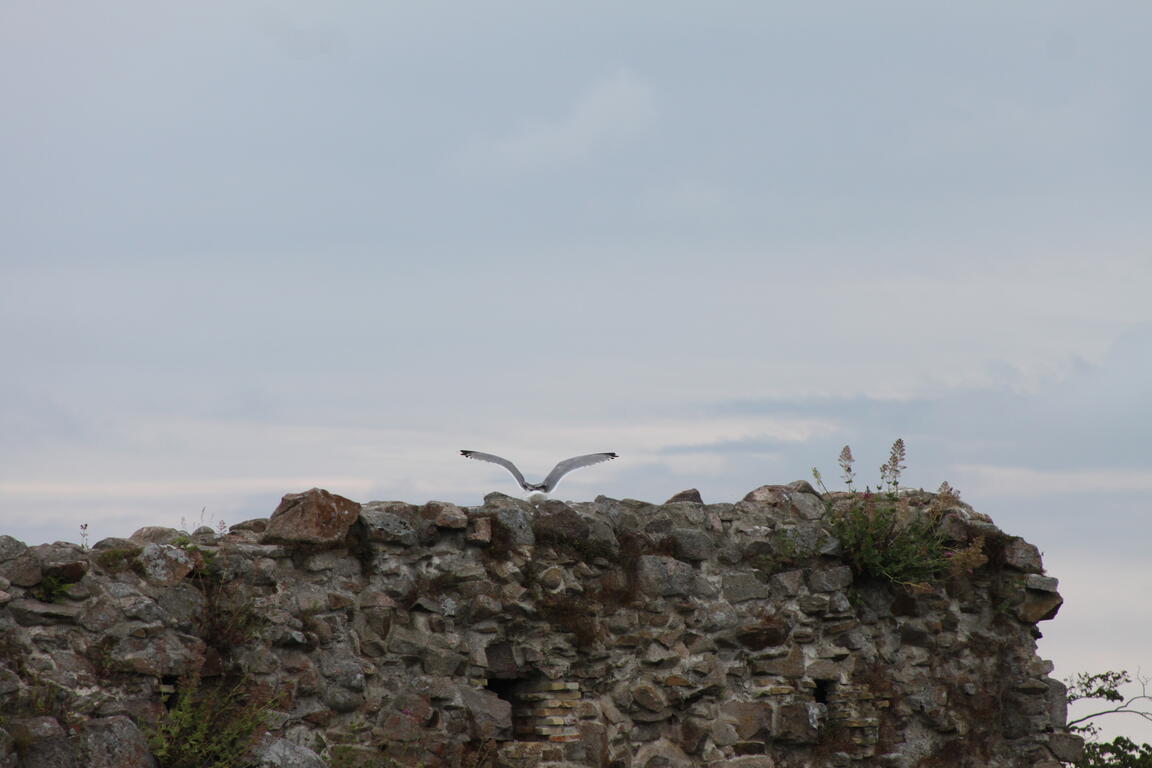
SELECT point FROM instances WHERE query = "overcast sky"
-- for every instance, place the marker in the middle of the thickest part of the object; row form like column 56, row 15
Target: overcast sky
column 247, row 248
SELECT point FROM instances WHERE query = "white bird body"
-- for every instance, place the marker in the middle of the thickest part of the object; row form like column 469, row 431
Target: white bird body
column 553, row 477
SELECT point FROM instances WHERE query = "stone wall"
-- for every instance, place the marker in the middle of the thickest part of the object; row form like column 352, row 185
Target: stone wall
column 609, row 634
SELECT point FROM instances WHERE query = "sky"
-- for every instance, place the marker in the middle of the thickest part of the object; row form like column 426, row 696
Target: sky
column 248, row 248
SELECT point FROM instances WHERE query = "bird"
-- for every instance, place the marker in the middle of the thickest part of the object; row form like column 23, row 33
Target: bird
column 553, row 477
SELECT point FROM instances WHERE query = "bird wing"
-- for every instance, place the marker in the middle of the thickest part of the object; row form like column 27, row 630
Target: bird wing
column 502, row 462
column 568, row 465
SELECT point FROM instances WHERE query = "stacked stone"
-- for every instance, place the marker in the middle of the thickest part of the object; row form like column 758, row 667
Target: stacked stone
column 547, row 711
column 612, row 633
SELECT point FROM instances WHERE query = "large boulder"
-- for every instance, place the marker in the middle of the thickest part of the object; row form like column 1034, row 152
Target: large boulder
column 315, row 517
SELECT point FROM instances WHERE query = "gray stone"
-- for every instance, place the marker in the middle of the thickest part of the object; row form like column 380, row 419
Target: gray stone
column 665, row 576
column 113, row 742
column 813, row 604
column 790, row 665
column 514, row 516
column 480, row 530
column 275, row 752
column 1041, row 583
column 181, row 606
column 10, row 548
column 166, row 565
column 43, row 743
column 407, row 642
column 169, row 654
column 156, row 534
column 649, row 696
column 739, row 587
column 662, row 753
column 66, row 564
column 830, row 579
column 602, row 541
column 33, row 612
column 1058, row 703
column 255, row 525
column 340, row 699
column 1066, row 747
column 9, row 682
column 1041, row 600
column 99, row 615
column 345, row 672
column 770, row 494
column 799, row 722
column 749, row 718
column 559, row 524
column 746, row 761
column 383, row 523
column 787, row 583
column 692, row 544
column 1022, row 556
column 803, row 486
column 113, row 542
column 691, row 495
column 8, row 755
column 808, row 507
column 23, row 570
column 490, row 717
column 441, row 662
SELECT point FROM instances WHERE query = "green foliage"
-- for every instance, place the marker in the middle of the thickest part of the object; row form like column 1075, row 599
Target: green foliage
column 210, row 726
column 1099, row 685
column 883, row 536
column 116, row 560
column 1121, row 752
column 880, row 542
column 1118, row 753
column 51, row 589
column 228, row 620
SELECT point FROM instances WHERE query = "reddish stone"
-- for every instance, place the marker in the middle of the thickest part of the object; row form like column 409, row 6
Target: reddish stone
column 445, row 515
column 314, row 517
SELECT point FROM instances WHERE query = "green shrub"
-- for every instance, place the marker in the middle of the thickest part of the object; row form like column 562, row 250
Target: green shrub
column 116, row 560
column 51, row 589
column 210, row 726
column 883, row 536
column 880, row 542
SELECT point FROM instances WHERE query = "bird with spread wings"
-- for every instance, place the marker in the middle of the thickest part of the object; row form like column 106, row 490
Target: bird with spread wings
column 553, row 477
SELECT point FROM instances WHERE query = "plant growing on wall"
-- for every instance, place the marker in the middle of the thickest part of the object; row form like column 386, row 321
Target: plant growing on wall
column 208, row 726
column 884, row 537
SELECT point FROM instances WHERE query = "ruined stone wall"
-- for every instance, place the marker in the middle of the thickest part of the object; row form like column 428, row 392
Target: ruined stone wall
column 609, row 633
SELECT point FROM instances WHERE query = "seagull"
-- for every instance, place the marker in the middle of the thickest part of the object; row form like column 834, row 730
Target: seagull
column 554, row 476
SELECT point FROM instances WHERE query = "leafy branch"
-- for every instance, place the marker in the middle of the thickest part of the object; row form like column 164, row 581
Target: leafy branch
column 1105, row 686
column 1121, row 752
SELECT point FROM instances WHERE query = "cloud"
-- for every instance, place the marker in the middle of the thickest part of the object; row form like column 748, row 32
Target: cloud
column 298, row 40
column 612, row 110
column 1024, row 481
column 756, row 444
